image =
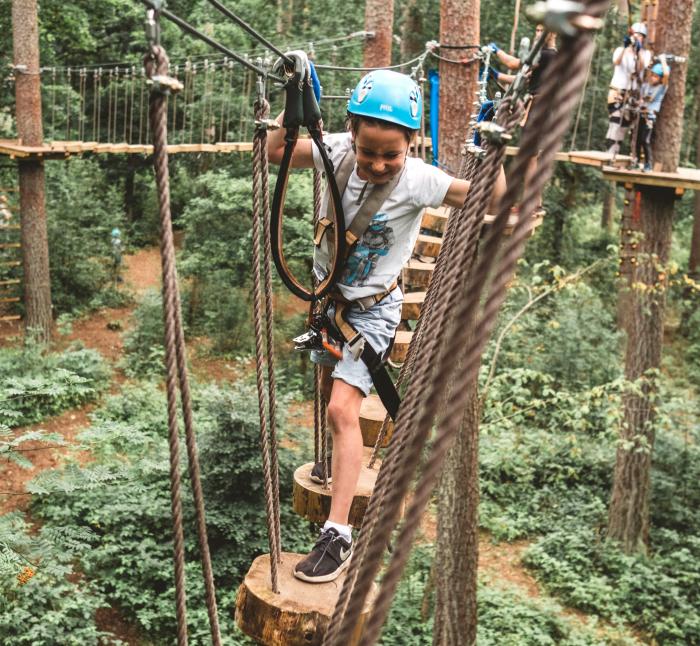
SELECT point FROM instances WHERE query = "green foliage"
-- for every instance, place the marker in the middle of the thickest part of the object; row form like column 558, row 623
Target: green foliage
column 43, row 598
column 123, row 498
column 36, row 385
column 143, row 344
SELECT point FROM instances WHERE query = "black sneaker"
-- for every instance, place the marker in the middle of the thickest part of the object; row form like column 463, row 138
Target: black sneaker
column 329, row 557
column 317, row 472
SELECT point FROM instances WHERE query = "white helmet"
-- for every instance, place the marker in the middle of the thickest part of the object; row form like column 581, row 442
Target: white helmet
column 640, row 28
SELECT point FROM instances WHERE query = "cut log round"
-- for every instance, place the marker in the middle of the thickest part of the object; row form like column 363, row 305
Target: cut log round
column 417, row 273
column 412, row 303
column 399, row 350
column 311, row 501
column 372, row 414
column 299, row 615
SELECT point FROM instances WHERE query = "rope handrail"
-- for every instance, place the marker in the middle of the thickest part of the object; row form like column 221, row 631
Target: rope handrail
column 339, row 68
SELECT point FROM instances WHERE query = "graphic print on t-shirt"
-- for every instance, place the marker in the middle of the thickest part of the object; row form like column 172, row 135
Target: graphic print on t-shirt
column 373, row 244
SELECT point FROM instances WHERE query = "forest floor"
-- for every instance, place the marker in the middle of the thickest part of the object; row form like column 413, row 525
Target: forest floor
column 102, row 330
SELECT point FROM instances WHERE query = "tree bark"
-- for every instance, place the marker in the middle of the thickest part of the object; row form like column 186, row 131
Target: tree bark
column 628, row 521
column 457, row 550
column 459, row 23
column 694, row 260
column 35, row 248
column 379, row 18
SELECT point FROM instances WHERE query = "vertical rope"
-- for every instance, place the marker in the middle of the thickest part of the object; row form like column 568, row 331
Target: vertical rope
column 175, row 341
column 109, row 106
column 259, row 138
column 69, row 91
column 53, row 103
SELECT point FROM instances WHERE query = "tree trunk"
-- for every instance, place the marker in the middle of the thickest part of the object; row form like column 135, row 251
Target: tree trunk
column 459, row 23
column 694, row 260
column 457, row 551
column 379, row 18
column 608, row 212
column 35, row 247
column 411, row 29
column 628, row 521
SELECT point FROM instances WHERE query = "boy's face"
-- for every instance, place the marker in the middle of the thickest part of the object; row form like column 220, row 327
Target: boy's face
column 654, row 79
column 381, row 152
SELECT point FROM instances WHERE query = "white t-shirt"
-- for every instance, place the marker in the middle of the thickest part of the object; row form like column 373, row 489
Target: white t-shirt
column 386, row 246
column 624, row 74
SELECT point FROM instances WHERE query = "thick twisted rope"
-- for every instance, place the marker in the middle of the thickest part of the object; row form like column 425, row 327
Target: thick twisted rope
column 259, row 142
column 564, row 82
column 263, row 113
column 176, row 369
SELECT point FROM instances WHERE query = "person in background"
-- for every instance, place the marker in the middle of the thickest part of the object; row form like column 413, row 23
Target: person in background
column 651, row 96
column 629, row 62
column 540, row 64
column 116, row 256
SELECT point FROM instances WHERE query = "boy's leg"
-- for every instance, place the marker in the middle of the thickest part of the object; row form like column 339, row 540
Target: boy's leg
column 344, row 418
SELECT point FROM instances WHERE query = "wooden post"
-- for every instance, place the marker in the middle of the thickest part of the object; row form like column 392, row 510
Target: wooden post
column 35, row 248
column 379, row 18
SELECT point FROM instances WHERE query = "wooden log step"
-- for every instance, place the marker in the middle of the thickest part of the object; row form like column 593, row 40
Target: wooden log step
column 13, row 317
column 427, row 246
column 10, row 263
column 311, row 501
column 412, row 304
column 399, row 351
column 11, row 281
column 10, row 245
column 14, row 299
column 13, row 227
column 299, row 615
column 435, row 219
column 417, row 273
column 372, row 414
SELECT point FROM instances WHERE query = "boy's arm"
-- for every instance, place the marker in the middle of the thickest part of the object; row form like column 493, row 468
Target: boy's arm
column 459, row 189
column 665, row 68
column 302, row 156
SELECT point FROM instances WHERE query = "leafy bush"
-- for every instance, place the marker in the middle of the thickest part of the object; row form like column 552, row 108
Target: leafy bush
column 124, row 499
column 143, row 343
column 36, row 385
column 43, row 599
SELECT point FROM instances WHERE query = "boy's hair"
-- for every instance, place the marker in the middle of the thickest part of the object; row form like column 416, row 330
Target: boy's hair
column 353, row 122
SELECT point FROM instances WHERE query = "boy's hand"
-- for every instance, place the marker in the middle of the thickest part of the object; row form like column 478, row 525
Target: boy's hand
column 493, row 47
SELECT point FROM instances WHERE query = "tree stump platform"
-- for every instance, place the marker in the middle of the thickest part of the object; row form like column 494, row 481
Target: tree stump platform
column 299, row 615
column 372, row 414
column 311, row 501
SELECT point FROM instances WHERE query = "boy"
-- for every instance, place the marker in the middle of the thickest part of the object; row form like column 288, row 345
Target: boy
column 652, row 94
column 384, row 114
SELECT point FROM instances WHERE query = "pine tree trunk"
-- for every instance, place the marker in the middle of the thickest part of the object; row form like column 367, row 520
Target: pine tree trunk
column 459, row 23
column 457, row 550
column 35, row 247
column 694, row 260
column 379, row 18
column 628, row 521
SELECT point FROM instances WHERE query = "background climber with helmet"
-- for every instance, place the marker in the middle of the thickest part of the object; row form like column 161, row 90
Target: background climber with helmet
column 629, row 62
column 384, row 114
column 117, row 246
column 652, row 94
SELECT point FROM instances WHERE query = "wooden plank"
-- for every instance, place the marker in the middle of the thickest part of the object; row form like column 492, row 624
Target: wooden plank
column 10, row 227
column 9, row 189
column 14, row 299
column 11, row 281
column 312, row 501
column 412, row 304
column 13, row 317
column 10, row 263
column 10, row 245
column 372, row 414
column 300, row 614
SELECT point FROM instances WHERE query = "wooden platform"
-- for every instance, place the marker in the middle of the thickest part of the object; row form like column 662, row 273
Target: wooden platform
column 372, row 414
column 417, row 273
column 64, row 149
column 299, row 615
column 412, row 304
column 311, row 501
column 594, row 158
column 684, row 178
column 399, row 350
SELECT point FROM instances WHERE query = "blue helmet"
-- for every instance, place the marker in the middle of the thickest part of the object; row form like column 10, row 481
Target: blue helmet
column 389, row 96
column 658, row 69
column 116, row 233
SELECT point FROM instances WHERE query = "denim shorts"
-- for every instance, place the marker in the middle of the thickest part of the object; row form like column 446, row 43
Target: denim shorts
column 378, row 325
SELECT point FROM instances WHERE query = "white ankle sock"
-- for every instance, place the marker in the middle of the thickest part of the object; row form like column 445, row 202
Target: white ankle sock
column 343, row 530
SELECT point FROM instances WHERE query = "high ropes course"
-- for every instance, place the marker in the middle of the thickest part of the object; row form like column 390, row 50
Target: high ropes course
column 455, row 283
